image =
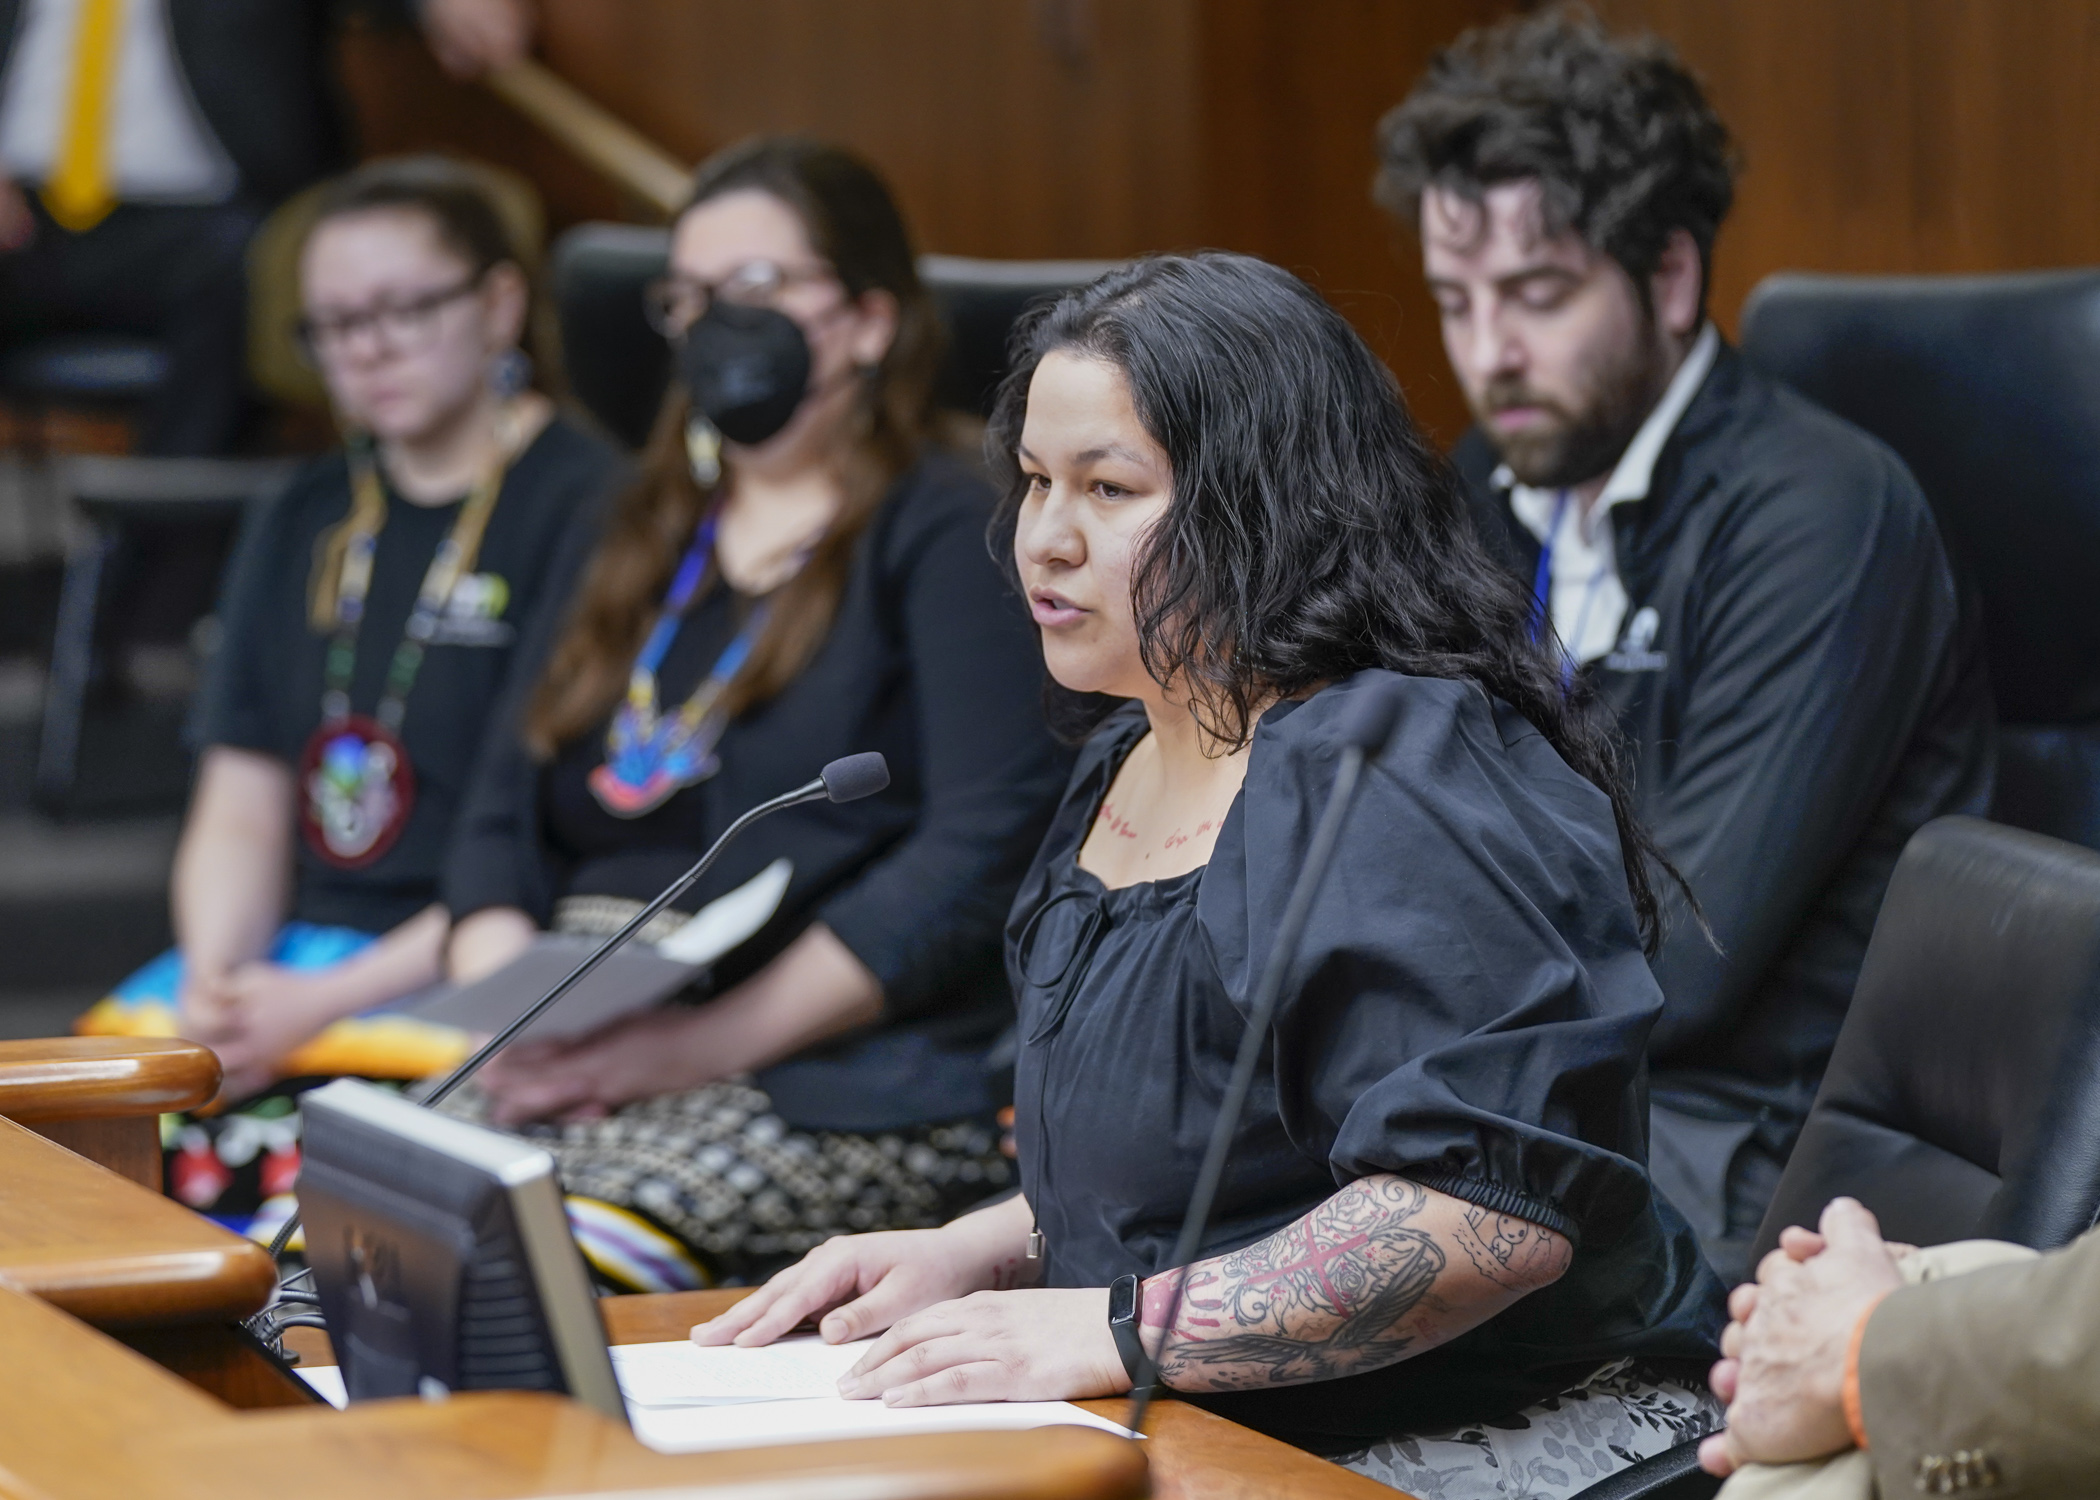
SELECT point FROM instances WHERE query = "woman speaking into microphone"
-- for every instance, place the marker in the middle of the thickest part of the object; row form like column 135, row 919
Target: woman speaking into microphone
column 1436, row 1251
column 800, row 573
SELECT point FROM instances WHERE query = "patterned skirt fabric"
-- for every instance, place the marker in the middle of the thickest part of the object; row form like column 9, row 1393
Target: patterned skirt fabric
column 743, row 1194
column 1550, row 1451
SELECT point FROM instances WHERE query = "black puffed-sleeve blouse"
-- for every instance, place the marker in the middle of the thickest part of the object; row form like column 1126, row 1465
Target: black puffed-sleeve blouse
column 1469, row 1010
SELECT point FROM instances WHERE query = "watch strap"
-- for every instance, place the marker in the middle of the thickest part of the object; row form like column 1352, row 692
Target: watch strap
column 1125, row 1300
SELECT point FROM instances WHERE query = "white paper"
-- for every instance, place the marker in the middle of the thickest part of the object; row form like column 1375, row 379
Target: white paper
column 682, row 1373
column 761, row 1424
column 728, row 920
column 328, row 1381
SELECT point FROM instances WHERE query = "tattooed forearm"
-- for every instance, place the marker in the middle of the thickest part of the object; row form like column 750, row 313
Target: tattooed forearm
column 1382, row 1270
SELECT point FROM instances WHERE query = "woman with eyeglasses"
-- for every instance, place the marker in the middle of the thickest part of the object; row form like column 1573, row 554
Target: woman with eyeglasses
column 799, row 574
column 370, row 626
column 1436, row 1252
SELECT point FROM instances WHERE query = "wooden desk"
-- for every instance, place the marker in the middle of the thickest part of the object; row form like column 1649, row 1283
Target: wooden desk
column 114, row 1253
column 86, row 1416
column 87, row 1419
column 81, row 1415
column 1194, row 1454
column 1191, row 1452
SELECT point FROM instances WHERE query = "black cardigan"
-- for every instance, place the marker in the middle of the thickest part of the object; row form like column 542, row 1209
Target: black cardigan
column 932, row 661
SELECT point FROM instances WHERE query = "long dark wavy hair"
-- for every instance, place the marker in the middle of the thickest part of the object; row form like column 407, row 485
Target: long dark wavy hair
column 1312, row 531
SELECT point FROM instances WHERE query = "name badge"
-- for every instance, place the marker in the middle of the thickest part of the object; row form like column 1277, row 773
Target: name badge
column 1636, row 649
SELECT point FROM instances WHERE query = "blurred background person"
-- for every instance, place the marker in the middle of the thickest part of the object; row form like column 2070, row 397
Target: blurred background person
column 142, row 141
column 371, row 625
column 799, row 574
column 1756, row 588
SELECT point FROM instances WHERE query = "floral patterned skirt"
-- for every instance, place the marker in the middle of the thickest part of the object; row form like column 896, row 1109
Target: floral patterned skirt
column 1550, row 1451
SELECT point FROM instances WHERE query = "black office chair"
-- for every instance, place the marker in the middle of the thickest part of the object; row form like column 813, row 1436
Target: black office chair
column 1988, row 387
column 1963, row 1097
column 618, row 366
column 113, row 497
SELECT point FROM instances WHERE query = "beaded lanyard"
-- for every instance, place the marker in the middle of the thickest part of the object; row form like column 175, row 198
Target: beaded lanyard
column 356, row 774
column 649, row 757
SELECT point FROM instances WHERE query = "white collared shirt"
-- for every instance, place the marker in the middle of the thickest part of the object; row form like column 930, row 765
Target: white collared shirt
column 1588, row 600
column 160, row 149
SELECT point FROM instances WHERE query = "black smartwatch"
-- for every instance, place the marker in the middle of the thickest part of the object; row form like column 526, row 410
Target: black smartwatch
column 1125, row 1297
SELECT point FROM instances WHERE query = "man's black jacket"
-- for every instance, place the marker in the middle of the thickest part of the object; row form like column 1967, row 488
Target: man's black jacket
column 1802, row 686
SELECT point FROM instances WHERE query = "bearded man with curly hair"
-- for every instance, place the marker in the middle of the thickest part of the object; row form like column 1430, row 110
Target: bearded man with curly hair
column 1755, row 588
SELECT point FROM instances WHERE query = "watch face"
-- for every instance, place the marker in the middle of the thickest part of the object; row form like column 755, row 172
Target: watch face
column 1122, row 1299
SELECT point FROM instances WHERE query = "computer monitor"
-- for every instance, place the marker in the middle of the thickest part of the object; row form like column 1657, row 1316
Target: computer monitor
column 442, row 1255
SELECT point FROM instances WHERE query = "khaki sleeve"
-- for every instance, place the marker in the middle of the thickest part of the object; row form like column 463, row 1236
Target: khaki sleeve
column 1988, row 1382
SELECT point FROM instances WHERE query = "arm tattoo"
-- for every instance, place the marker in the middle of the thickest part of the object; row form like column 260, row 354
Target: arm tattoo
column 1015, row 1271
column 1364, row 1280
column 1511, row 1252
column 1322, row 1297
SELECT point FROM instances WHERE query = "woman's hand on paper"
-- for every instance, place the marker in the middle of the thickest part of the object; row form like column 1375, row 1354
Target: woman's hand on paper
column 1029, row 1345
column 857, row 1284
column 860, row 1284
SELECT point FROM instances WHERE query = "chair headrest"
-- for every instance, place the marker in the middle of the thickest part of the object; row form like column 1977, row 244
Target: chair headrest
column 1987, row 387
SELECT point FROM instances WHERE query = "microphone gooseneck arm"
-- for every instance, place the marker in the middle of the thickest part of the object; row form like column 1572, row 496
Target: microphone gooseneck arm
column 844, row 780
column 1363, row 733
column 813, row 792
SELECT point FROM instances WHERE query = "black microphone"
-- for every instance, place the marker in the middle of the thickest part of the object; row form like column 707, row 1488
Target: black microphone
column 1366, row 723
column 847, row 779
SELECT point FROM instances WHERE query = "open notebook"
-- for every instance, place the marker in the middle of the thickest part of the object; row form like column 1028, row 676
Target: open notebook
column 685, row 1399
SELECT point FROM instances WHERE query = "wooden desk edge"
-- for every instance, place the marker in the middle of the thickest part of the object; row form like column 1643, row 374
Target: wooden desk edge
column 95, row 1077
column 146, row 1291
column 114, row 1253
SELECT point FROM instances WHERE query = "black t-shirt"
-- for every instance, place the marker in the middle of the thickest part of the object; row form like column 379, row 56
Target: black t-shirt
column 931, row 660
column 264, row 688
column 1468, row 1010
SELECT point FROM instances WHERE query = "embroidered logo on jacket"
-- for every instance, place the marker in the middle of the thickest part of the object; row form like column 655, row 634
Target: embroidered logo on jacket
column 1635, row 652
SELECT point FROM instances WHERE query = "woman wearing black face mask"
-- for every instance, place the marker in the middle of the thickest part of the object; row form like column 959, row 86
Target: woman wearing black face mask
column 798, row 575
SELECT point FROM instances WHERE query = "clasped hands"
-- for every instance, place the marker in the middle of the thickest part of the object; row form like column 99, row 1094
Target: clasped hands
column 1784, row 1352
column 946, row 1335
column 253, row 1016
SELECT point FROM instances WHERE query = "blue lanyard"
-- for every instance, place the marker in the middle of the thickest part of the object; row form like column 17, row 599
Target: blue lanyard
column 683, row 584
column 1542, row 577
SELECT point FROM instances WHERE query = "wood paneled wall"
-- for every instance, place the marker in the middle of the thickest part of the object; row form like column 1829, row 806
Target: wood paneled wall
column 1898, row 135
column 1879, row 135
column 1014, row 128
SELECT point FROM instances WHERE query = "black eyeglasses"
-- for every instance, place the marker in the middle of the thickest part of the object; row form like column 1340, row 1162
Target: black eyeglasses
column 402, row 326
column 675, row 303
